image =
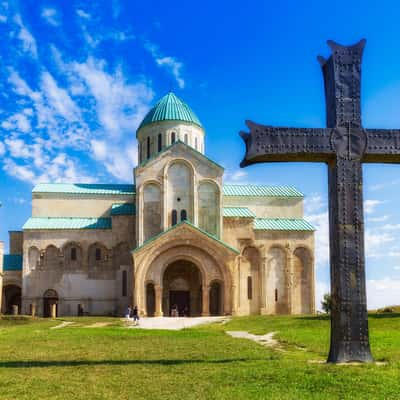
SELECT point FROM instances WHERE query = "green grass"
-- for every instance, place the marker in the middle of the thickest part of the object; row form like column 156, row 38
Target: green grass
column 113, row 362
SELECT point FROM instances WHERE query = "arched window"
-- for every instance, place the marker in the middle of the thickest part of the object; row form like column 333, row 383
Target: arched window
column 276, row 294
column 183, row 215
column 174, row 217
column 186, row 138
column 249, row 288
column 173, row 137
column 73, row 254
column 124, row 283
column 148, row 147
column 195, row 143
column 98, row 254
column 159, row 143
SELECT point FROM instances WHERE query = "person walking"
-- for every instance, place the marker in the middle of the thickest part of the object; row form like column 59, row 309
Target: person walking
column 128, row 313
column 135, row 315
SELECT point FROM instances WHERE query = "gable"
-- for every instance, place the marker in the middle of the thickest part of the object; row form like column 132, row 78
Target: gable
column 180, row 150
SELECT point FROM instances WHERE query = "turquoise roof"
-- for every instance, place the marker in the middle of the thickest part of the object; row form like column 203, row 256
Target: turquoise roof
column 152, row 239
column 123, row 209
column 85, row 188
column 67, row 223
column 261, row 191
column 12, row 262
column 282, row 224
column 241, row 212
column 170, row 108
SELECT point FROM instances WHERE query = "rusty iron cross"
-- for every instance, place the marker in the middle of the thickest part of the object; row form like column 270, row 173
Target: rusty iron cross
column 344, row 145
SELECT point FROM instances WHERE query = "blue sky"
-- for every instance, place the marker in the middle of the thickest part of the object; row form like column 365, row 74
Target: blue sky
column 76, row 78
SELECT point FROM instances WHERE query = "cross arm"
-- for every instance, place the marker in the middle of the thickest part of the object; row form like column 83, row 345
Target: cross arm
column 383, row 146
column 274, row 144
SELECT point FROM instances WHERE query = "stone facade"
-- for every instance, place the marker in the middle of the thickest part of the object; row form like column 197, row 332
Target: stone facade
column 174, row 239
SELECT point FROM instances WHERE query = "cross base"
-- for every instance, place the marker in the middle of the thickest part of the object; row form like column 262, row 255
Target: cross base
column 354, row 351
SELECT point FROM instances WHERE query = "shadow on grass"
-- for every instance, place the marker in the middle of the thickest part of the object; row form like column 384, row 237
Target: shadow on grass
column 78, row 363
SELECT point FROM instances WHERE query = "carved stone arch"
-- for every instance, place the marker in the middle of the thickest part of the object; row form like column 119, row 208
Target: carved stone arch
column 302, row 292
column 152, row 268
column 33, row 258
column 96, row 257
column 51, row 259
column 277, row 293
column 73, row 255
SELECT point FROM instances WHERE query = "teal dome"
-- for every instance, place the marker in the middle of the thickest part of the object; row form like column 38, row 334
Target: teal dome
column 170, row 108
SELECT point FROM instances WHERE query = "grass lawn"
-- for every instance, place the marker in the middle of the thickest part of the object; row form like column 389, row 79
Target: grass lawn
column 113, row 362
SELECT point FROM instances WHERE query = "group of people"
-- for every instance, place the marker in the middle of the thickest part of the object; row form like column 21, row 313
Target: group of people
column 175, row 311
column 132, row 313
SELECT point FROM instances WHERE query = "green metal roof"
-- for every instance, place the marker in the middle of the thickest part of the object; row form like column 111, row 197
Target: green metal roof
column 123, row 209
column 67, row 223
column 282, row 224
column 85, row 188
column 12, row 262
column 235, row 212
column 152, row 239
column 261, row 191
column 170, row 108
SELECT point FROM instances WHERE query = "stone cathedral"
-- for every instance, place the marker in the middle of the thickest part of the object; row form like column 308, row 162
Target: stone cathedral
column 177, row 238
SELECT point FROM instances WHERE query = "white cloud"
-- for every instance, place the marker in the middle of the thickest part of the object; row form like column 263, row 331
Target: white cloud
column 235, row 176
column 383, row 292
column 391, row 227
column 396, row 267
column 28, row 41
column 3, row 18
column 320, row 289
column 315, row 211
column 81, row 13
column 171, row 64
column 174, row 66
column 370, row 205
column 378, row 219
column 51, row 16
column 2, row 149
column 376, row 241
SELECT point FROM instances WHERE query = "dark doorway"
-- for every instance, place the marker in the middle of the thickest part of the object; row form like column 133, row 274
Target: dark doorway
column 49, row 298
column 12, row 297
column 182, row 287
column 215, row 299
column 181, row 299
column 150, row 300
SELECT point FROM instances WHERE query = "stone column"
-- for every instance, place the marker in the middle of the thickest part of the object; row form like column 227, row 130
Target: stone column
column 158, row 300
column 289, row 278
column 14, row 309
column 205, row 310
column 53, row 310
column 33, row 309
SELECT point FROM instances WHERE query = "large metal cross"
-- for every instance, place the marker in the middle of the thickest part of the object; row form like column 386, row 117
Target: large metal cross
column 344, row 145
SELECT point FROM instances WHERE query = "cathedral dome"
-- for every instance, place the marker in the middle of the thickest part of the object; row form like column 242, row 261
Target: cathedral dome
column 170, row 108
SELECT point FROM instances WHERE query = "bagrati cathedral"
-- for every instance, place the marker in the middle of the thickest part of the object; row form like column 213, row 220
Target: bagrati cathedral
column 177, row 238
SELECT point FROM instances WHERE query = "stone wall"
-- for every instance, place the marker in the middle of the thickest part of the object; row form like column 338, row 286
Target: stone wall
column 16, row 241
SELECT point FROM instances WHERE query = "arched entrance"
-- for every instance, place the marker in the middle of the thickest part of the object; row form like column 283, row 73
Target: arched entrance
column 12, row 297
column 50, row 297
column 215, row 299
column 182, row 289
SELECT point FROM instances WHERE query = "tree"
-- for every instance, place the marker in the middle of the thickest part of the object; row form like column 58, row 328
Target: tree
column 326, row 303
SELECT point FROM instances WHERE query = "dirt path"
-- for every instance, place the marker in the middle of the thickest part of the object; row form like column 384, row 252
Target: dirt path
column 265, row 340
column 62, row 325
